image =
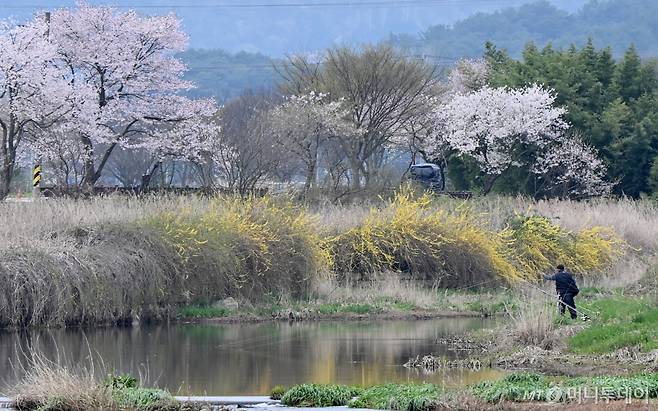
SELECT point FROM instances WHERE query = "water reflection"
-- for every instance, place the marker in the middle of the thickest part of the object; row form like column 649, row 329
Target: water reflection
column 249, row 359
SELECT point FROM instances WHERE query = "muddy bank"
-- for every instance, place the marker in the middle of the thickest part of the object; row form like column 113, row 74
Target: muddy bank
column 315, row 316
column 536, row 359
column 550, row 362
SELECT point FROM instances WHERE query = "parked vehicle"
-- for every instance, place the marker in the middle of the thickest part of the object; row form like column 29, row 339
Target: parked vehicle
column 428, row 175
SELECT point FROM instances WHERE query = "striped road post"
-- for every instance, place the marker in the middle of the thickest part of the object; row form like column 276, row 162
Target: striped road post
column 36, row 180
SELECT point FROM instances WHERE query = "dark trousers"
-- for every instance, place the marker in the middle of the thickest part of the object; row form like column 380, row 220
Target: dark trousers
column 566, row 301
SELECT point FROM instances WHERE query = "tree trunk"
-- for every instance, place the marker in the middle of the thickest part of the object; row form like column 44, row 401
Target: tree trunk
column 146, row 178
column 5, row 181
column 310, row 177
column 443, row 177
column 7, row 157
column 355, row 167
column 91, row 172
column 489, row 182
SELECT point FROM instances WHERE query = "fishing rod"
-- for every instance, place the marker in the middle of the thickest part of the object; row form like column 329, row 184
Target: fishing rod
column 578, row 311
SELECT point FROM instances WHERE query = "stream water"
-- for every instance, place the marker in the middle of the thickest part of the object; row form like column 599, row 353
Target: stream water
column 249, row 359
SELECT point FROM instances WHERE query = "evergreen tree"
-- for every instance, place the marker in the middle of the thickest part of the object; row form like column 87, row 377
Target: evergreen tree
column 612, row 105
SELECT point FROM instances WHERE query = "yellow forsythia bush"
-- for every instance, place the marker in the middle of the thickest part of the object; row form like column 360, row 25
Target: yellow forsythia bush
column 456, row 248
column 446, row 249
column 537, row 245
column 246, row 247
column 258, row 246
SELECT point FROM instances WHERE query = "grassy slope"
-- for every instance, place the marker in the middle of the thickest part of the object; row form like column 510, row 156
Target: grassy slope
column 534, row 387
column 622, row 322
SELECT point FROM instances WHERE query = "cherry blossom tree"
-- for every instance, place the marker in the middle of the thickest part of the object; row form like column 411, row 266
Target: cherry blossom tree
column 33, row 95
column 304, row 123
column 497, row 127
column 571, row 169
column 127, row 83
column 468, row 75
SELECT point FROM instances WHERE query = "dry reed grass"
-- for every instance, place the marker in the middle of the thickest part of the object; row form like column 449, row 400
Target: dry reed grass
column 91, row 269
column 58, row 385
column 387, row 286
column 65, row 261
column 42, row 220
column 534, row 321
column 101, row 275
column 635, row 221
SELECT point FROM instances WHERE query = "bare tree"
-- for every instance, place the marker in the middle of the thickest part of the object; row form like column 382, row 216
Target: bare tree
column 246, row 154
column 381, row 89
column 300, row 75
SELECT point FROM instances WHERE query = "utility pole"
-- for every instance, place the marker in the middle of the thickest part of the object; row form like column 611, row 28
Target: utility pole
column 36, row 170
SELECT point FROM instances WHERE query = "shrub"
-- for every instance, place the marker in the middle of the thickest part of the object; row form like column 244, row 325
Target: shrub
column 537, row 245
column 90, row 275
column 408, row 235
column 245, row 247
column 111, row 260
column 319, row 395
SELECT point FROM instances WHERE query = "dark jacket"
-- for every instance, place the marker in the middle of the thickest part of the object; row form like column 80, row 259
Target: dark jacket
column 564, row 282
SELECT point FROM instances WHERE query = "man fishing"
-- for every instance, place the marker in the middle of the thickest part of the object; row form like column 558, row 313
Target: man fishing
column 566, row 289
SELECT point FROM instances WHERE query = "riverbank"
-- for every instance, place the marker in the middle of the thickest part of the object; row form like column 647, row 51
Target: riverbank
column 516, row 391
column 621, row 371
column 555, row 360
column 390, row 298
column 616, row 333
column 111, row 261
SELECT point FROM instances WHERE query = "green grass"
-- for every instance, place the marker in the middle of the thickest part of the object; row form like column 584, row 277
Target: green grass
column 492, row 304
column 319, row 395
column 592, row 291
column 404, row 305
column 405, row 397
column 128, row 395
column 144, row 399
column 526, row 387
column 202, row 311
column 514, row 387
column 621, row 322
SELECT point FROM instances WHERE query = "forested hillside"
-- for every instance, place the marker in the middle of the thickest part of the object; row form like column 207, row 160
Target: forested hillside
column 279, row 27
column 615, row 23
